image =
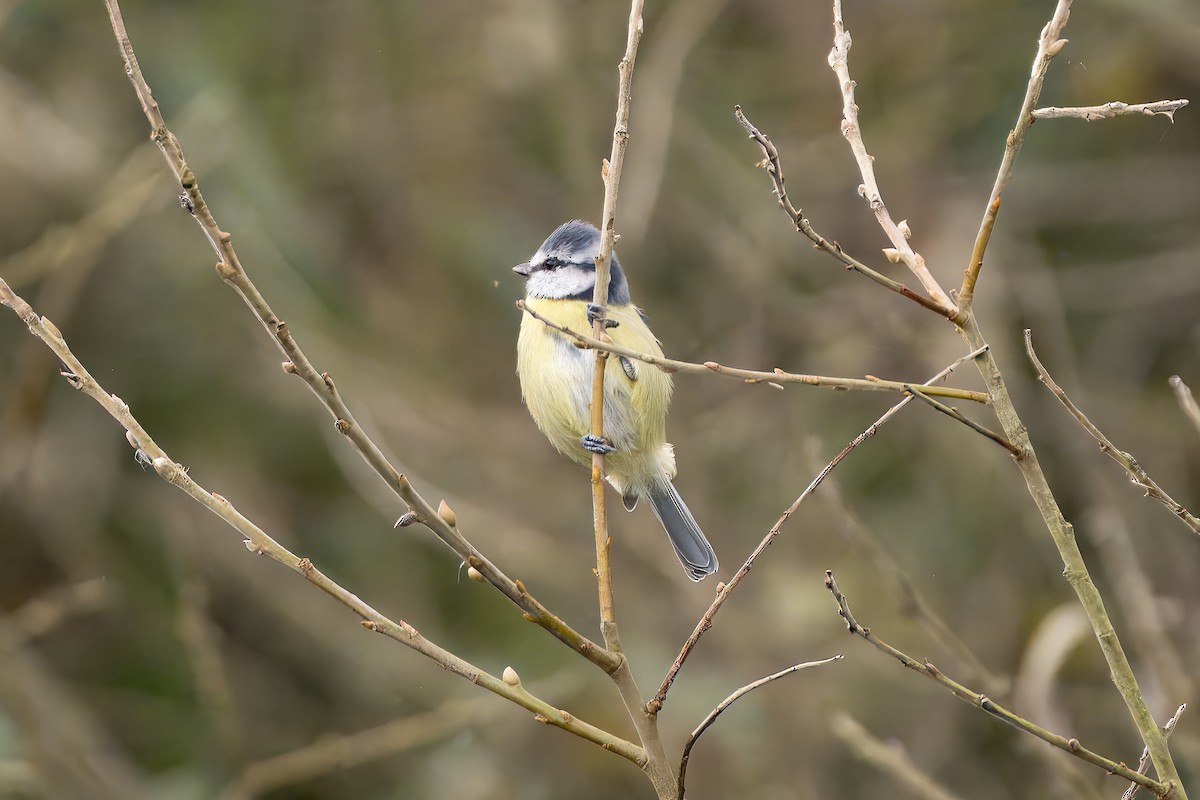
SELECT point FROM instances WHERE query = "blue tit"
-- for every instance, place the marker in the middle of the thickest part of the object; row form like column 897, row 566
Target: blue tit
column 556, row 384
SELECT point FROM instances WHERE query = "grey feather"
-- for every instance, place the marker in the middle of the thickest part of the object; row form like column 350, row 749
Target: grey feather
column 695, row 553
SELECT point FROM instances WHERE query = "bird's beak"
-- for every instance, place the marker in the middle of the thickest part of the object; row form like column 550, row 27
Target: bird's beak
column 523, row 269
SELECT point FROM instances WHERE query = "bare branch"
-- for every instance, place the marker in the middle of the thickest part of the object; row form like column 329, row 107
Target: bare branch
column 1136, row 474
column 1109, row 110
column 611, row 173
column 725, row 589
column 839, row 63
column 1050, row 43
column 260, row 543
column 970, row 423
column 774, row 168
column 984, row 703
column 733, row 698
column 776, row 376
column 230, row 270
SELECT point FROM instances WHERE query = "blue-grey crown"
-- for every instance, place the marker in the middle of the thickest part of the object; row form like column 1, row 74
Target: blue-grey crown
column 578, row 242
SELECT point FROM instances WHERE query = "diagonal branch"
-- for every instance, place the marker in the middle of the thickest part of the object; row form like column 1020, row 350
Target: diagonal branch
column 776, row 376
column 839, row 63
column 260, row 543
column 1050, row 44
column 954, row 414
column 984, row 703
column 1136, row 473
column 724, row 590
column 230, row 269
column 774, row 168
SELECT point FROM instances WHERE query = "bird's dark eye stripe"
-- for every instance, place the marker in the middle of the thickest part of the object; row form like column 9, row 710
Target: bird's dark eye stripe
column 552, row 262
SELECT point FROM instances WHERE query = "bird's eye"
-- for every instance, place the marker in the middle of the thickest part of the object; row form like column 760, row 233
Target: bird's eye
column 552, row 262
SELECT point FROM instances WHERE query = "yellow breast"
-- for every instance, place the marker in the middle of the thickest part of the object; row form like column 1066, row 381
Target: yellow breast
column 556, row 383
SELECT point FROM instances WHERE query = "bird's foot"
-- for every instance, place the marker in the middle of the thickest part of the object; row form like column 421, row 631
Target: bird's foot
column 596, row 312
column 597, row 444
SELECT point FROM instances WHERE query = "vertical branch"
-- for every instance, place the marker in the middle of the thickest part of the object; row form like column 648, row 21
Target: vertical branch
column 661, row 775
column 611, row 172
column 1050, row 43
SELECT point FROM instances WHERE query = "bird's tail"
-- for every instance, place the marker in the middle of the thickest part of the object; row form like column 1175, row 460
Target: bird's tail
column 694, row 551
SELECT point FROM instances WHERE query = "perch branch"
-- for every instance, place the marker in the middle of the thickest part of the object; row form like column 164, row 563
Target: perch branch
column 1109, row 110
column 733, row 698
column 655, row 765
column 839, row 63
column 1136, row 474
column 724, row 590
column 776, row 376
column 230, row 270
column 774, row 168
column 1050, row 43
column 983, row 703
column 259, row 542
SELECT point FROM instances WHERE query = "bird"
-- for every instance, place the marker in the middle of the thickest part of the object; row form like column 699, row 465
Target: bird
column 556, row 384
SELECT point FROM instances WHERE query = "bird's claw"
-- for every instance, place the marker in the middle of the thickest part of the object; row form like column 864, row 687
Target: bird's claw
column 597, row 444
column 596, row 312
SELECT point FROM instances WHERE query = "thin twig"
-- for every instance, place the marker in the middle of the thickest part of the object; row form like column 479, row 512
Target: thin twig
column 984, row 703
column 1187, row 400
column 259, row 542
column 839, row 63
column 611, row 173
column 885, row 758
column 1144, row 761
column 970, row 423
column 733, row 698
column 1109, row 110
column 230, row 270
column 725, row 589
column 774, row 168
column 655, row 765
column 1136, row 474
column 776, row 376
column 1050, row 43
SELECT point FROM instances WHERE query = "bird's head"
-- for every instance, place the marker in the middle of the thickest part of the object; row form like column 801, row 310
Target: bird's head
column 564, row 267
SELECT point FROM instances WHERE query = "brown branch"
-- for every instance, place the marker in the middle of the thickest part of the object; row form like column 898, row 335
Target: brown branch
column 970, row 423
column 725, row 589
column 985, row 704
column 902, row 251
column 230, row 270
column 655, row 765
column 728, row 701
column 1109, row 110
column 774, row 168
column 776, row 376
column 1187, row 400
column 259, row 542
column 1136, row 474
column 1050, row 43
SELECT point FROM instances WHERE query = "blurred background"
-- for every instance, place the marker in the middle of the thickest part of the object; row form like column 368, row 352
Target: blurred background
column 381, row 166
